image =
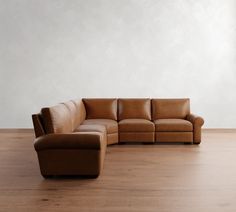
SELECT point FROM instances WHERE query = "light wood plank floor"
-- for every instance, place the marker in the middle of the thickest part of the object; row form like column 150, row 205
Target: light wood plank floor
column 178, row 178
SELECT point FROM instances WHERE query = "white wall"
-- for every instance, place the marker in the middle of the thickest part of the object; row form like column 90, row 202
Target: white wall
column 52, row 51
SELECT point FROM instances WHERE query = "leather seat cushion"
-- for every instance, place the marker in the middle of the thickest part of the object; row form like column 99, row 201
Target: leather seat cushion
column 111, row 125
column 173, row 125
column 136, row 125
column 91, row 128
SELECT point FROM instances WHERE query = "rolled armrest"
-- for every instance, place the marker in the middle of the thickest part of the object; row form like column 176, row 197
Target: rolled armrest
column 195, row 120
column 69, row 141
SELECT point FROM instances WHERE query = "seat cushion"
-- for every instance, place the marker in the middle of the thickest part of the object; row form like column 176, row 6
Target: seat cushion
column 111, row 125
column 134, row 109
column 101, row 108
column 173, row 125
column 91, row 128
column 170, row 108
column 136, row 125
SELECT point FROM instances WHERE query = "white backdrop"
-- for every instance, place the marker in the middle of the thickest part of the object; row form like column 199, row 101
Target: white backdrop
column 53, row 51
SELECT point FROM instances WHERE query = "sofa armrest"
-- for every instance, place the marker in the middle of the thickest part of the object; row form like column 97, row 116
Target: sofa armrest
column 91, row 140
column 197, row 122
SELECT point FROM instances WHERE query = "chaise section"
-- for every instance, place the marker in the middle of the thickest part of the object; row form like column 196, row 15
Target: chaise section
column 71, row 154
column 60, row 150
column 135, row 120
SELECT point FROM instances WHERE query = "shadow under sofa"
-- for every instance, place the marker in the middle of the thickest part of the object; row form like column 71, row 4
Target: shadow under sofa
column 72, row 137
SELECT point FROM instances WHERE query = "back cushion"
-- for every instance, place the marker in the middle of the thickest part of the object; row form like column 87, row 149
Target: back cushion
column 134, row 109
column 57, row 119
column 170, row 108
column 80, row 111
column 74, row 113
column 101, row 108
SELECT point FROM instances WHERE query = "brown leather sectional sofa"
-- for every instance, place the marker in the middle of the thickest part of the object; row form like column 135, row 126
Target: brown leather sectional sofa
column 72, row 137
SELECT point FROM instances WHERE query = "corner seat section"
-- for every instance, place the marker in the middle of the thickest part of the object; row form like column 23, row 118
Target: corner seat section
column 110, row 125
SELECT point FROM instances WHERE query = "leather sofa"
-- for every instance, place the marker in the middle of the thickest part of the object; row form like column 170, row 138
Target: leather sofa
column 72, row 137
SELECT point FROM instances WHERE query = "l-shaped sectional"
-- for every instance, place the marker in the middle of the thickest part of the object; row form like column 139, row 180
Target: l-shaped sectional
column 72, row 137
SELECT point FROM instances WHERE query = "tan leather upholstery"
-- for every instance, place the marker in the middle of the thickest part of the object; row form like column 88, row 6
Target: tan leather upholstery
column 91, row 128
column 186, row 137
column 137, row 137
column 71, row 154
column 111, row 125
column 134, row 109
column 112, row 138
column 73, row 113
column 136, row 125
column 82, row 162
column 101, row 108
column 57, row 119
column 81, row 112
column 38, row 127
column 170, row 108
column 197, row 122
column 81, row 140
column 173, row 125
column 69, row 144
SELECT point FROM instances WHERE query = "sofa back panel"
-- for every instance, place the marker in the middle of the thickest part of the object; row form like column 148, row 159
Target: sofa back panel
column 134, row 109
column 75, row 118
column 170, row 108
column 57, row 119
column 101, row 108
column 81, row 112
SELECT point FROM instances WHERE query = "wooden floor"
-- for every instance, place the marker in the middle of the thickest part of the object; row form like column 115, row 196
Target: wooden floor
column 165, row 178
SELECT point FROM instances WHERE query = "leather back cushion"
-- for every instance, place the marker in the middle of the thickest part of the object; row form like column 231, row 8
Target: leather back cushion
column 75, row 118
column 101, row 108
column 170, row 108
column 57, row 119
column 80, row 111
column 134, row 109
